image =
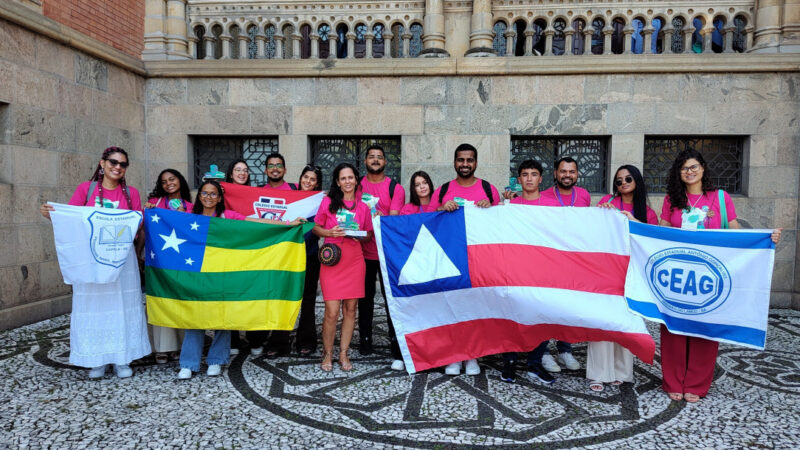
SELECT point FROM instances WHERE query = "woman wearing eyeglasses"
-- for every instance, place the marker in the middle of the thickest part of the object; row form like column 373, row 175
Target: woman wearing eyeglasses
column 687, row 363
column 108, row 324
column 608, row 362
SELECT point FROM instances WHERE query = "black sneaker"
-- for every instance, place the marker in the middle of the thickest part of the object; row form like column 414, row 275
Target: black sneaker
column 365, row 347
column 508, row 373
column 538, row 374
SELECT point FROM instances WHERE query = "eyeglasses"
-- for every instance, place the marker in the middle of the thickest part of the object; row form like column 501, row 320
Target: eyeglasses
column 275, row 166
column 378, row 157
column 115, row 163
column 620, row 182
column 692, row 168
column 208, row 194
column 239, row 170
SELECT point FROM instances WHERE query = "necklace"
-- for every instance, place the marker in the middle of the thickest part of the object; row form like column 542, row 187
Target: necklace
column 692, row 206
column 344, row 205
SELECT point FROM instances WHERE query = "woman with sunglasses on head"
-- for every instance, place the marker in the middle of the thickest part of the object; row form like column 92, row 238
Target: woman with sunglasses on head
column 421, row 189
column 108, row 324
column 342, row 283
column 687, row 363
column 608, row 362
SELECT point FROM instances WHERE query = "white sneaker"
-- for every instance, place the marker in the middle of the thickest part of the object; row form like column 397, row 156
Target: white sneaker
column 549, row 363
column 472, row 367
column 98, row 372
column 569, row 361
column 185, row 374
column 214, row 370
column 234, row 351
column 255, row 351
column 453, row 369
column 122, row 370
column 398, row 365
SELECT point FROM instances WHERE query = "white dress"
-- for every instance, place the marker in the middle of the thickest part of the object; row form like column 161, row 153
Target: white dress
column 108, row 324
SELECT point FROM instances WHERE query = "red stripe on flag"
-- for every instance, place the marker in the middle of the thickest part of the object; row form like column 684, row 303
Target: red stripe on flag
column 439, row 346
column 535, row 266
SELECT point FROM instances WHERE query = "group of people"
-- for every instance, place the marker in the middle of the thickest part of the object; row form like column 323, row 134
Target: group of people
column 348, row 287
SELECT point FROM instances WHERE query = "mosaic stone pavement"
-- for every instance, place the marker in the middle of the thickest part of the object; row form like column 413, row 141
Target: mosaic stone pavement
column 289, row 403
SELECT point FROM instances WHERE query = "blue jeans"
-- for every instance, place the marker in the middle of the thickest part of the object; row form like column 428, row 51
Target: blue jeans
column 535, row 356
column 192, row 349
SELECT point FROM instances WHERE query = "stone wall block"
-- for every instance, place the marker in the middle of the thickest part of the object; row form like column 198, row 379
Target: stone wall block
column 90, row 71
column 560, row 119
column 37, row 128
column 630, row 118
column 27, row 199
column 90, row 137
column 423, row 91
column 459, row 91
column 37, row 89
column 19, row 284
column 773, row 181
column 271, row 120
column 754, row 88
column 785, row 213
column 34, row 166
column 446, row 119
column 625, row 149
column 199, row 120
column 55, row 58
column 8, row 73
column 784, row 251
column 781, row 116
column 728, row 118
column 479, row 90
column 294, row 148
column 117, row 112
column 666, row 88
column 17, row 44
column 561, row 89
column 30, row 244
column 74, row 100
column 168, row 148
column 400, row 119
column 378, row 91
column 607, row 89
column 335, row 91
column 780, row 299
column 202, row 91
column 166, row 91
column 706, row 88
column 790, row 87
column 677, row 118
column 292, row 91
column 249, row 91
column 513, row 91
column 75, row 168
column 426, row 149
column 757, row 212
column 783, row 276
column 125, row 84
column 51, row 281
column 491, row 119
column 137, row 177
column 8, row 251
column 763, row 150
column 131, row 141
column 439, row 173
column 788, row 150
column 380, row 120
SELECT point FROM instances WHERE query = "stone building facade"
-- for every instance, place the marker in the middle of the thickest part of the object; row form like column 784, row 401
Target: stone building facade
column 616, row 83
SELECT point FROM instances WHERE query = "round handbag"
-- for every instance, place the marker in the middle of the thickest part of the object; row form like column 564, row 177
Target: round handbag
column 329, row 254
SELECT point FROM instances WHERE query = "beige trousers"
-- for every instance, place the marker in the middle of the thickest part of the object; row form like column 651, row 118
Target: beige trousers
column 608, row 361
column 165, row 340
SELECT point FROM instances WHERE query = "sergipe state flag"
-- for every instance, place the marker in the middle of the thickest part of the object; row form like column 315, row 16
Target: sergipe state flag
column 711, row 283
column 476, row 282
column 268, row 203
column 220, row 274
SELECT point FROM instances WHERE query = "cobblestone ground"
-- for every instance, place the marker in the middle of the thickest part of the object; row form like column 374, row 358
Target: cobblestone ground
column 289, row 402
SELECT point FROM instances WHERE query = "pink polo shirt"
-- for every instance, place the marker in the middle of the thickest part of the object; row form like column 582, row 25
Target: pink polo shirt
column 113, row 198
column 474, row 193
column 709, row 200
column 411, row 208
column 617, row 202
column 579, row 197
column 541, row 201
column 327, row 219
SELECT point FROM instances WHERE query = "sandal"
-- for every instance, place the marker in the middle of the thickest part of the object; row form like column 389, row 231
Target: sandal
column 327, row 361
column 596, row 386
column 616, row 383
column 161, row 358
column 675, row 396
column 344, row 361
column 305, row 352
column 691, row 398
column 174, row 356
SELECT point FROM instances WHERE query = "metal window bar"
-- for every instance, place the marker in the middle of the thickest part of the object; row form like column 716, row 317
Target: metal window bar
column 499, row 40
column 591, row 153
column 415, row 46
column 329, row 151
column 724, row 157
column 222, row 151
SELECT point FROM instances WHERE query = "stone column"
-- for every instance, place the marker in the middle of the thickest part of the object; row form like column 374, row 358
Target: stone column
column 279, row 38
column 387, row 43
column 706, row 33
column 177, row 42
column 314, row 46
column 368, row 37
column 688, row 30
column 569, row 33
column 608, row 31
column 548, row 43
column 155, row 42
column 529, row 34
column 628, row 32
column 729, row 29
column 509, row 35
column 296, row 38
column 768, row 26
column 406, row 37
column 433, row 39
column 226, row 45
column 192, row 46
column 588, row 32
column 647, row 35
column 261, row 45
column 209, row 43
column 791, row 27
column 244, row 51
column 480, row 36
column 351, row 44
column 332, row 45
column 750, row 36
column 668, row 30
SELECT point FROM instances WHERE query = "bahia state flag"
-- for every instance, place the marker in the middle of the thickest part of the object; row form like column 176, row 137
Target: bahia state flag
column 268, row 203
column 220, row 274
column 710, row 283
column 477, row 282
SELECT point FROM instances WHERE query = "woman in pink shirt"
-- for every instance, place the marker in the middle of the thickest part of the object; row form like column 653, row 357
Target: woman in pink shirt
column 171, row 192
column 420, row 190
column 687, row 363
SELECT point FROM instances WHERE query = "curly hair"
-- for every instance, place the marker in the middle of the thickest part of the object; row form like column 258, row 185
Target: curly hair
column 158, row 191
column 335, row 192
column 676, row 189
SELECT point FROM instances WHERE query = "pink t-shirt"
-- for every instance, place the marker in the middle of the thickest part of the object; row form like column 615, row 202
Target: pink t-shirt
column 541, row 201
column 328, row 220
column 652, row 218
column 410, row 208
column 113, row 198
column 163, row 203
column 231, row 214
column 579, row 197
column 710, row 200
column 474, row 193
column 283, row 187
column 386, row 203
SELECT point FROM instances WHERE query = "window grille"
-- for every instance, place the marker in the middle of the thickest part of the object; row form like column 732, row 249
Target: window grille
column 677, row 34
column 558, row 37
column 378, row 44
column 499, row 41
column 591, row 153
column 415, row 46
column 223, row 150
column 270, row 48
column 598, row 40
column 724, row 157
column 252, row 45
column 739, row 34
column 324, row 43
column 328, row 151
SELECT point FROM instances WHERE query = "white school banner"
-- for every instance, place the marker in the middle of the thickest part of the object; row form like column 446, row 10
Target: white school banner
column 712, row 284
column 93, row 243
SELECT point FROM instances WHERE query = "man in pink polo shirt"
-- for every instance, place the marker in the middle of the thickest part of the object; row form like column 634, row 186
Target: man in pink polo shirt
column 465, row 190
column 275, row 170
column 385, row 197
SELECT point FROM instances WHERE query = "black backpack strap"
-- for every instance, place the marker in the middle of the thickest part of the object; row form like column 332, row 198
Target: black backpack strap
column 442, row 191
column 392, row 186
column 292, row 186
column 487, row 188
column 92, row 185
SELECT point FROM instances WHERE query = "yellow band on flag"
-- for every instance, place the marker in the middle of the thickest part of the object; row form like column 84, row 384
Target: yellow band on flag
column 285, row 256
column 233, row 315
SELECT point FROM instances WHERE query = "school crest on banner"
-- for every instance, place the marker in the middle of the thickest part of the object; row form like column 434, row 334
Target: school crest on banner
column 111, row 237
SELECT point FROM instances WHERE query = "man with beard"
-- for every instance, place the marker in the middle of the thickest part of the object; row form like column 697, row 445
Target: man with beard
column 385, row 197
column 275, row 170
column 465, row 189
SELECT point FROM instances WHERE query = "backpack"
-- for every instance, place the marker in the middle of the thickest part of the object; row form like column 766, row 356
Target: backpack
column 91, row 191
column 292, row 186
column 487, row 189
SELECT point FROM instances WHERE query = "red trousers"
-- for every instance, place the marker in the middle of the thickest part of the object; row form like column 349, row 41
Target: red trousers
column 687, row 363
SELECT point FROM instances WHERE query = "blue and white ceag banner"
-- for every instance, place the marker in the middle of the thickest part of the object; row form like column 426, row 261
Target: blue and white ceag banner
column 712, row 284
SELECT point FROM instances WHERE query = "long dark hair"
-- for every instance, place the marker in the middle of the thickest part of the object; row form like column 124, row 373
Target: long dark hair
column 317, row 171
column 639, row 194
column 675, row 187
column 98, row 175
column 159, row 191
column 220, row 208
column 414, row 197
column 229, row 172
column 335, row 193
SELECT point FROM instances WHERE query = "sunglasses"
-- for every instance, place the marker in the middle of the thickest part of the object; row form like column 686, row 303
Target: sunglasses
column 114, row 163
column 620, row 182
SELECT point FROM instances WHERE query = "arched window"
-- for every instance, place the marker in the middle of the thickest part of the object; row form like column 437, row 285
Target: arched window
column 216, row 31
column 539, row 41
column 558, row 37
column 269, row 46
column 617, row 39
column 519, row 40
column 577, row 39
column 361, row 41
column 324, row 43
column 739, row 34
column 499, row 41
column 598, row 41
column 199, row 32
column 235, row 32
column 697, row 38
column 378, row 43
column 397, row 40
column 341, row 43
column 415, row 46
column 637, row 40
column 717, row 40
column 305, row 44
column 288, row 47
column 252, row 45
column 677, row 34
column 657, row 38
